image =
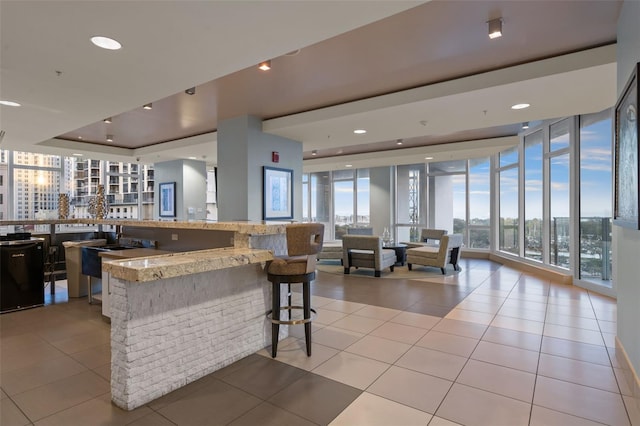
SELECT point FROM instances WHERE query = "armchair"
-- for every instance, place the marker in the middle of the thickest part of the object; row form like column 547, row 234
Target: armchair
column 366, row 251
column 439, row 256
column 428, row 237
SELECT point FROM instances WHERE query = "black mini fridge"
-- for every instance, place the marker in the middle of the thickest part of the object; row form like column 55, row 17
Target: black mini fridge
column 21, row 274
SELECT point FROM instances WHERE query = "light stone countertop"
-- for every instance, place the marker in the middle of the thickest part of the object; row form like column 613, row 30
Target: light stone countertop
column 242, row 227
column 144, row 269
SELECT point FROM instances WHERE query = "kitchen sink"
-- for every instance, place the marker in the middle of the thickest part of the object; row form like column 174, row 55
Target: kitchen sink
column 91, row 260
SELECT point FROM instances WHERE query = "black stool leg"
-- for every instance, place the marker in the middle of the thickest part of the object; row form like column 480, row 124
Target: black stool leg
column 306, row 305
column 289, row 300
column 275, row 314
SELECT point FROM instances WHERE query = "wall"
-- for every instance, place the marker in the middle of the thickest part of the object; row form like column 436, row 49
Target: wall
column 381, row 199
column 626, row 244
column 190, row 177
column 243, row 150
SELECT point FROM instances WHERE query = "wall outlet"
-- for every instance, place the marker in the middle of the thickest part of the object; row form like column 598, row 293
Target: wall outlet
column 174, row 237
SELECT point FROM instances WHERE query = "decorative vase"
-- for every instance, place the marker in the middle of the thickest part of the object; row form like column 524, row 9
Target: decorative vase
column 63, row 206
column 386, row 236
column 98, row 204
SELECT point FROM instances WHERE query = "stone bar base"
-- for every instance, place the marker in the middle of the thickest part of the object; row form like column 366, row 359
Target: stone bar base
column 170, row 332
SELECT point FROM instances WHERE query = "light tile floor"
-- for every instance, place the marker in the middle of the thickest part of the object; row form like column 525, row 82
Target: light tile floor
column 511, row 349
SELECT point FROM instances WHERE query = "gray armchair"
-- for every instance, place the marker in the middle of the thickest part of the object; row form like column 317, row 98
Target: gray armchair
column 439, row 256
column 428, row 237
column 366, row 251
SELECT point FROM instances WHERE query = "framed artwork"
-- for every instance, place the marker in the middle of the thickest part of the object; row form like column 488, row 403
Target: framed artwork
column 168, row 199
column 626, row 151
column 277, row 194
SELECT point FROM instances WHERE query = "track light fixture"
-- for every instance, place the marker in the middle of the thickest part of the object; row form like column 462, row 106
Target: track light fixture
column 109, row 138
column 495, row 28
column 148, row 106
column 190, row 91
column 107, row 120
column 265, row 65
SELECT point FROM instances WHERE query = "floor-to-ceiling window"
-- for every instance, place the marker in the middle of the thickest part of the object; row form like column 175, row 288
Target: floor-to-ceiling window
column 454, row 194
column 595, row 198
column 508, row 236
column 363, row 214
column 447, row 189
column 410, row 202
column 559, row 193
column 566, row 208
column 37, row 180
column 343, row 201
column 533, row 205
column 479, row 203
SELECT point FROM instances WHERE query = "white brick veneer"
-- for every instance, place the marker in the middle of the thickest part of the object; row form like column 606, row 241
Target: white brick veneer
column 168, row 333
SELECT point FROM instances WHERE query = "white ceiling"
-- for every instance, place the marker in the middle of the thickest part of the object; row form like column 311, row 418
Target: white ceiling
column 171, row 45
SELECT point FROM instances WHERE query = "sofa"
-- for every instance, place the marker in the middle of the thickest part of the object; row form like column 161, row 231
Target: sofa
column 447, row 252
column 366, row 251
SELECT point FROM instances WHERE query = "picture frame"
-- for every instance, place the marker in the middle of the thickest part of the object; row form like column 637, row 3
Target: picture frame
column 277, row 195
column 627, row 185
column 167, row 205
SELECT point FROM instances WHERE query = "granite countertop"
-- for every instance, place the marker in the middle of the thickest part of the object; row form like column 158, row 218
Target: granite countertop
column 131, row 253
column 243, row 227
column 144, row 269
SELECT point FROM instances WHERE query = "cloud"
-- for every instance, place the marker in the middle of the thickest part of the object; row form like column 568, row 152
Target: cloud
column 559, row 186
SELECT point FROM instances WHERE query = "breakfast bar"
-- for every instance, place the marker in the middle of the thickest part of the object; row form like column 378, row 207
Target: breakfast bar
column 179, row 316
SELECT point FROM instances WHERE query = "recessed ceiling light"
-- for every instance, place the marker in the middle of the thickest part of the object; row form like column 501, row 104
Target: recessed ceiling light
column 314, row 152
column 10, row 103
column 76, row 154
column 265, row 65
column 399, row 142
column 148, row 106
column 495, row 28
column 107, row 120
column 109, row 138
column 191, row 158
column 106, row 42
column 359, row 131
column 525, row 125
column 348, row 165
column 428, row 158
column 520, row 106
column 80, row 137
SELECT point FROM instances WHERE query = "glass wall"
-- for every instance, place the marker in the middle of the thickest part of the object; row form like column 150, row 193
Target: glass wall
column 508, row 238
column 410, row 202
column 447, row 188
column 559, row 184
column 37, row 180
column 479, row 224
column 454, row 194
column 553, row 189
column 320, row 201
column 595, row 197
column 533, row 209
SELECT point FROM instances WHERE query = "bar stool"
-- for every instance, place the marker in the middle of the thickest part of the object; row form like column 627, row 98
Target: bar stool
column 304, row 242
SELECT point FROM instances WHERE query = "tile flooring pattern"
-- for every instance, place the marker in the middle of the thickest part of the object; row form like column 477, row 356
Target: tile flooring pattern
column 486, row 346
